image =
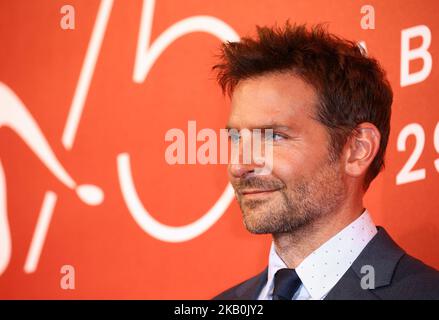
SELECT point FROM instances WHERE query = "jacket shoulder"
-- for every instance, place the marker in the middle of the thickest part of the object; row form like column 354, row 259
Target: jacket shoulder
column 413, row 280
column 396, row 276
column 399, row 275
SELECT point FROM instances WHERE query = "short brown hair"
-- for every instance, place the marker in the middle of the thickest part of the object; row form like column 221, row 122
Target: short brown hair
column 352, row 88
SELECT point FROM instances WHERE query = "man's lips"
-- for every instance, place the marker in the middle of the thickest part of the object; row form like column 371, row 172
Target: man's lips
column 250, row 192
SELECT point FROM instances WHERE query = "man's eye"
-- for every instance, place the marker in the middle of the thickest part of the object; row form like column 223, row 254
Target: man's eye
column 234, row 136
column 273, row 136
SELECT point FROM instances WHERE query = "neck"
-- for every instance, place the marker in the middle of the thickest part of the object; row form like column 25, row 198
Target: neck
column 295, row 246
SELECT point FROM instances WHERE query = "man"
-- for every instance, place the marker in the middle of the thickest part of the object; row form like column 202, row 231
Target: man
column 328, row 106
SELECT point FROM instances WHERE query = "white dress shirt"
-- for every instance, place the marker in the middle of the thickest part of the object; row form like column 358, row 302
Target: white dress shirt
column 323, row 268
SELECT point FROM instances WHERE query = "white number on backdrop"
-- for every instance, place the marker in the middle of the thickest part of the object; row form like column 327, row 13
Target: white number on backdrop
column 407, row 174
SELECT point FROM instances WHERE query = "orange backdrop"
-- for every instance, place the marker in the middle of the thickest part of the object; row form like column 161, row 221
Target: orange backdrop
column 78, row 112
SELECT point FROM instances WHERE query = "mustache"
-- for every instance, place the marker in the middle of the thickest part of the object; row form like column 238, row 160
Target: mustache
column 257, row 183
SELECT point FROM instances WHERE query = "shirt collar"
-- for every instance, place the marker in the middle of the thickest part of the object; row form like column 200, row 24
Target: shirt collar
column 322, row 269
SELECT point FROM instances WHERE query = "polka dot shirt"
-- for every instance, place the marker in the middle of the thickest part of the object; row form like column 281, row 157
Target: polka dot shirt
column 323, row 268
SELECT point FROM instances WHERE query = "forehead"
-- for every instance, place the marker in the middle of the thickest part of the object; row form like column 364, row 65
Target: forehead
column 272, row 98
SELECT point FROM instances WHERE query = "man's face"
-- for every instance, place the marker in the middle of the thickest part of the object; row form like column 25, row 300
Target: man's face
column 304, row 183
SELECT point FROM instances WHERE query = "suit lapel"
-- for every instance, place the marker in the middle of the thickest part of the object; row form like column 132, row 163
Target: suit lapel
column 252, row 289
column 382, row 254
column 349, row 288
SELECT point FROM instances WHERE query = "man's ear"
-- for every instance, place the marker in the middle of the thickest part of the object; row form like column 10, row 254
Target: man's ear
column 361, row 149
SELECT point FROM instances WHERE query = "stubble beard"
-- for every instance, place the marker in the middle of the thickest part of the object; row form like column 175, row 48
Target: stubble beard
column 295, row 208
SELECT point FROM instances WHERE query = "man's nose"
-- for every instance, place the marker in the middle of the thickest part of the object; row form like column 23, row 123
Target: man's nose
column 244, row 160
column 240, row 170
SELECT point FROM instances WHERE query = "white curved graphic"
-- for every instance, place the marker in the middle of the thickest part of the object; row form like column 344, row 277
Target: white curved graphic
column 86, row 74
column 5, row 236
column 146, row 56
column 14, row 115
column 41, row 228
column 159, row 230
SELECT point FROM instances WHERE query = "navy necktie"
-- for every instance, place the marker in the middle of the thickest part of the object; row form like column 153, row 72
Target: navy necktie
column 286, row 283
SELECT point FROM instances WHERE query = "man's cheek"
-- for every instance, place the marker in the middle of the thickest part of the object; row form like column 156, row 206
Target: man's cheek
column 285, row 168
column 265, row 164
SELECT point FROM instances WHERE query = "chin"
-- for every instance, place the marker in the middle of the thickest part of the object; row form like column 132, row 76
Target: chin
column 257, row 222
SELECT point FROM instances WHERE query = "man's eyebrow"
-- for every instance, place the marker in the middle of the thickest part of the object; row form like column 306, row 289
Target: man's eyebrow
column 272, row 126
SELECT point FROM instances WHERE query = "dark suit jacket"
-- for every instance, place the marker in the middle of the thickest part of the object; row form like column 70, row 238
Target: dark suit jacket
column 397, row 276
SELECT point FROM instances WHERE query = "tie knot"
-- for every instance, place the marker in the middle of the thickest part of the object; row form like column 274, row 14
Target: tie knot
column 286, row 283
